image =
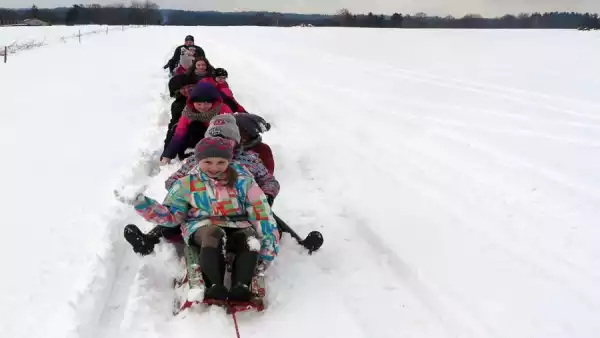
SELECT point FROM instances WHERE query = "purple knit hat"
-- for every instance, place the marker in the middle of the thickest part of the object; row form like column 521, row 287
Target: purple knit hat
column 205, row 92
column 214, row 147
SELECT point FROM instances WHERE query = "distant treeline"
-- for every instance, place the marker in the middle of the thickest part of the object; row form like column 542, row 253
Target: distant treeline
column 149, row 13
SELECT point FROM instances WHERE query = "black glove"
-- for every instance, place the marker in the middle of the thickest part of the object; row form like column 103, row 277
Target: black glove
column 270, row 199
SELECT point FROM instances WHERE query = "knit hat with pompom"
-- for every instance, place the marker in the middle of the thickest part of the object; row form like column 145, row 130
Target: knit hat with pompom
column 214, row 147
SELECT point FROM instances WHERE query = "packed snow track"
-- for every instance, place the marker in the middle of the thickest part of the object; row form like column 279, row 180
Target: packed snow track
column 454, row 175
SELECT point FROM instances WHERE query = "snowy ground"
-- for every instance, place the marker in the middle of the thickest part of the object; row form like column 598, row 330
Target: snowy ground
column 454, row 175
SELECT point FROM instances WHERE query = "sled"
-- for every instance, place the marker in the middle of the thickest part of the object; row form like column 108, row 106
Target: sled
column 187, row 296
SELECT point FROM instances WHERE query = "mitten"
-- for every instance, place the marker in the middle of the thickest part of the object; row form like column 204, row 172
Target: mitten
column 130, row 194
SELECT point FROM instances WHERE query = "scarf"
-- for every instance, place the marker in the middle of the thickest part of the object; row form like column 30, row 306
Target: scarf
column 195, row 115
column 252, row 143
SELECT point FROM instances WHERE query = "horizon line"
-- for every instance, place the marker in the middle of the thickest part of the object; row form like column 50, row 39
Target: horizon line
column 322, row 14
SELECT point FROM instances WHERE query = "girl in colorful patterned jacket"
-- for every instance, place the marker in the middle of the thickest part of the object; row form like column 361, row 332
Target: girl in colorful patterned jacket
column 203, row 203
column 220, row 76
column 203, row 103
column 220, row 126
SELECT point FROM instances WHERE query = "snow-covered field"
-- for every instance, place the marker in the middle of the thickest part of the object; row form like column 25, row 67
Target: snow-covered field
column 454, row 174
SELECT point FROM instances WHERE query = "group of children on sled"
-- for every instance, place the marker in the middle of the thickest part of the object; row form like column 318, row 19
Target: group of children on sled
column 220, row 199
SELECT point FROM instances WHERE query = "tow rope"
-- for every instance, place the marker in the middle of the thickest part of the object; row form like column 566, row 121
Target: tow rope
column 235, row 323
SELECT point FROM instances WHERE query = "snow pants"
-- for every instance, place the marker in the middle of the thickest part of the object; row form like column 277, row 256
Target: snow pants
column 211, row 239
column 212, row 236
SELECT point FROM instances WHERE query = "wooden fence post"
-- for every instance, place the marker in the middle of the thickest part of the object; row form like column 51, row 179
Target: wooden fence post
column 5, row 53
column 80, row 36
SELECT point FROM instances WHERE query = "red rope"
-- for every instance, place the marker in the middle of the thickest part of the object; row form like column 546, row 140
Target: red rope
column 237, row 329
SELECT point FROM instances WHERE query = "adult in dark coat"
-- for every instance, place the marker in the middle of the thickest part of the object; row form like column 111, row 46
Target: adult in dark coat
column 188, row 48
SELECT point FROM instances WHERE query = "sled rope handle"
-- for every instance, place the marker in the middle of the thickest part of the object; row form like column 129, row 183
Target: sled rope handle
column 235, row 323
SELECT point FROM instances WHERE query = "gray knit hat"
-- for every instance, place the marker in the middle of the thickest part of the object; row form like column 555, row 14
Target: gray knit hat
column 214, row 147
column 224, row 126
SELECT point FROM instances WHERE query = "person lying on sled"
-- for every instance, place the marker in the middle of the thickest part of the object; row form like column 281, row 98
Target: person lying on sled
column 201, row 204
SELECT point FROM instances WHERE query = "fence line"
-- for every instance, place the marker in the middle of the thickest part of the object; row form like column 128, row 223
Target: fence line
column 17, row 46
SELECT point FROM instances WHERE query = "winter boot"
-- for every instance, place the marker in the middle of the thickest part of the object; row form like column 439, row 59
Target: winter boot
column 142, row 244
column 216, row 292
column 213, row 268
column 244, row 266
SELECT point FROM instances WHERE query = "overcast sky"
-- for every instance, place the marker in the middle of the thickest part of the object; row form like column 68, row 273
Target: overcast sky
column 436, row 7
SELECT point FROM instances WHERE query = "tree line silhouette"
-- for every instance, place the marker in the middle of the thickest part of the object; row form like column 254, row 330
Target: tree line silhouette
column 149, row 13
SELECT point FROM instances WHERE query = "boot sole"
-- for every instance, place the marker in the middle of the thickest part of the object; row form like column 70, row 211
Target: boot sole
column 135, row 238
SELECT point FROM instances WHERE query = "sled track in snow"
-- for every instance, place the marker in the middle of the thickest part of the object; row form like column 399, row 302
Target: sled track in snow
column 403, row 273
column 546, row 258
column 506, row 162
column 399, row 272
column 127, row 264
column 361, row 313
column 527, row 97
column 391, row 283
column 518, row 242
